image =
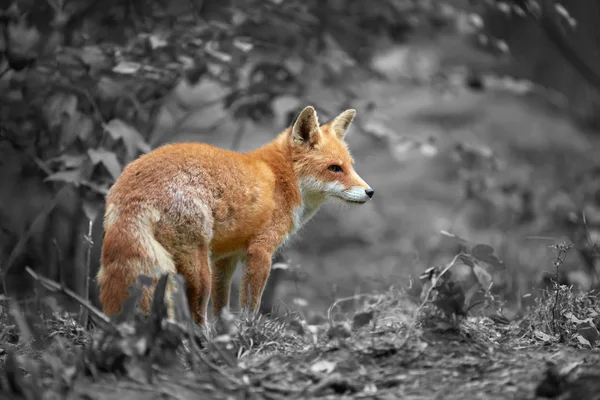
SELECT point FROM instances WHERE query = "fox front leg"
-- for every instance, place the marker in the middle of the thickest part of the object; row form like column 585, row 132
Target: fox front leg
column 255, row 276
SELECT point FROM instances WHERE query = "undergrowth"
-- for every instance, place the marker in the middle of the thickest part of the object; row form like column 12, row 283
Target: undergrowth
column 49, row 352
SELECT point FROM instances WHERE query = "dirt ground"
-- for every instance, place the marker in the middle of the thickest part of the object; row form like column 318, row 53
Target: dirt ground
column 481, row 361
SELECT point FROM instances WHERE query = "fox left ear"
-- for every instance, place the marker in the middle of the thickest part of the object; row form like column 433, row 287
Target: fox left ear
column 306, row 128
column 342, row 122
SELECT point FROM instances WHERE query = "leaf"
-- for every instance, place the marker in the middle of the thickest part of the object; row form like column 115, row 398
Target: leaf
column 91, row 209
column 69, row 176
column 108, row 88
column 212, row 51
column 156, row 42
column 544, row 337
column 323, row 366
column 455, row 237
column 132, row 139
column 583, row 340
column 572, row 318
column 339, row 331
column 127, row 68
column 361, row 319
column 483, row 277
column 485, row 253
column 22, row 39
column 59, row 106
column 589, row 332
column 69, row 160
column 77, row 126
column 108, row 159
column 469, row 293
column 94, row 57
column 35, row 226
column 243, row 43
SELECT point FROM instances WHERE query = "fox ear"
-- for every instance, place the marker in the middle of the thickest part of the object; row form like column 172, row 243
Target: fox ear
column 306, row 127
column 342, row 122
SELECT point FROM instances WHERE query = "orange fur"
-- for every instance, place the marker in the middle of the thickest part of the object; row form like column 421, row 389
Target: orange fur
column 195, row 209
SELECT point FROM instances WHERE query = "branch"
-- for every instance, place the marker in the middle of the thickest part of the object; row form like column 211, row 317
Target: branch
column 96, row 314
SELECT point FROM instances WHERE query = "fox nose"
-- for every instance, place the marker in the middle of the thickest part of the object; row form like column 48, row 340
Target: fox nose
column 369, row 192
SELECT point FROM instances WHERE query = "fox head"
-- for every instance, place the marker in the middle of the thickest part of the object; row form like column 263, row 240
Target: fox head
column 322, row 161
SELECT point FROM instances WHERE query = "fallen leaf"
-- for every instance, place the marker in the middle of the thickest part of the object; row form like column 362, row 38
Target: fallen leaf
column 361, row 319
column 483, row 277
column 339, row 331
column 127, row 68
column 583, row 341
column 544, row 337
column 589, row 332
column 323, row 366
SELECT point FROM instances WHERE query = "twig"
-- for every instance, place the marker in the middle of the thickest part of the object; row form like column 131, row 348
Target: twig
column 83, row 312
column 49, row 284
column 344, row 299
column 220, row 370
column 412, row 324
column 5, row 71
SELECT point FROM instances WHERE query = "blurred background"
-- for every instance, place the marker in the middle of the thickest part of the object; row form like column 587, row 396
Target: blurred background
column 478, row 118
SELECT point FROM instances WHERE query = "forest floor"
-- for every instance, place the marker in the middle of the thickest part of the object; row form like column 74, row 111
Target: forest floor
column 389, row 349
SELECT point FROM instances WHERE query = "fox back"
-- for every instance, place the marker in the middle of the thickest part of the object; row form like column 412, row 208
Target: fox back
column 197, row 210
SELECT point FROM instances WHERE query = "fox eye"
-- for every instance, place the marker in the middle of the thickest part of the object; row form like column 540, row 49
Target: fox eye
column 335, row 168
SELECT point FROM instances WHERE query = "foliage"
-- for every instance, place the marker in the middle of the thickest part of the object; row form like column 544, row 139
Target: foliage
column 454, row 293
column 563, row 315
column 81, row 82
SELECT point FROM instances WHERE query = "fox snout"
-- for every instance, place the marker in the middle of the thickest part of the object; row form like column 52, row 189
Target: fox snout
column 357, row 194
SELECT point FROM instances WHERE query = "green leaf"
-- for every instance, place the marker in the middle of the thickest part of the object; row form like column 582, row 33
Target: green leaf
column 108, row 159
column 132, row 139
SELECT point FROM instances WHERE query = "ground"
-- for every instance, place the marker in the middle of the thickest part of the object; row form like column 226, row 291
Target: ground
column 402, row 350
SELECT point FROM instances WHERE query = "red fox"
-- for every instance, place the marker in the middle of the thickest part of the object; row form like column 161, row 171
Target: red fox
column 194, row 209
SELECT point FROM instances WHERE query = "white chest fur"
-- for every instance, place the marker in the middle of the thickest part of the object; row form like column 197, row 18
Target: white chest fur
column 312, row 198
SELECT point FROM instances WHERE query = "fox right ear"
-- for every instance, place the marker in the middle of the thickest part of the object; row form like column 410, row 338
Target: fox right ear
column 306, row 127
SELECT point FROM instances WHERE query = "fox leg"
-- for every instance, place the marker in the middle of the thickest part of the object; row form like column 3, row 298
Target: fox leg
column 254, row 278
column 222, row 274
column 195, row 267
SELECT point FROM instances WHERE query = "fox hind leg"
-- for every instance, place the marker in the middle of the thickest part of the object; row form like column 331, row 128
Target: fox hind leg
column 195, row 267
column 222, row 275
